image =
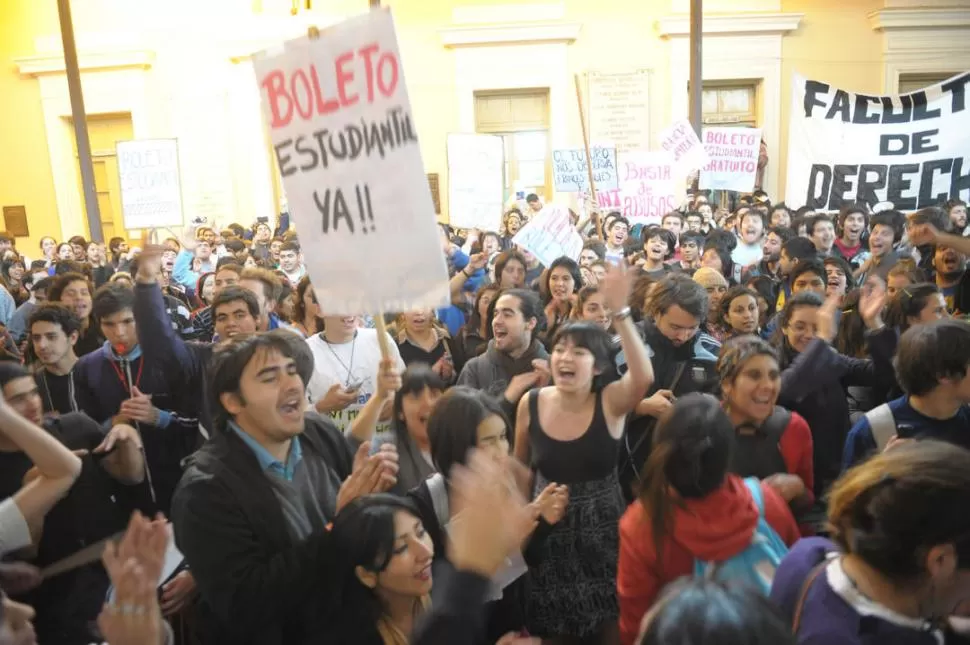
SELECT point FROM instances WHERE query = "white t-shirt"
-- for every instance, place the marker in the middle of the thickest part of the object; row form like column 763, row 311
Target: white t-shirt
column 747, row 254
column 14, row 533
column 357, row 361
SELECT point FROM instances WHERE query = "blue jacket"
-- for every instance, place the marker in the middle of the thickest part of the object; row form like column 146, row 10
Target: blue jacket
column 102, row 381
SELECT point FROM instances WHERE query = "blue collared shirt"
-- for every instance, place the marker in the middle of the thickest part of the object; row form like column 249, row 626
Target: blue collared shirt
column 268, row 462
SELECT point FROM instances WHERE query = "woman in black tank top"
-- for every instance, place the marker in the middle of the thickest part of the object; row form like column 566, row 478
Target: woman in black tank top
column 569, row 432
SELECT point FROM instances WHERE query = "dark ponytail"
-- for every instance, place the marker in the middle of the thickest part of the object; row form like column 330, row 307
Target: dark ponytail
column 690, row 455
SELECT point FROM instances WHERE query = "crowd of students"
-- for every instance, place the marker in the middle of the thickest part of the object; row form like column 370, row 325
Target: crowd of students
column 734, row 426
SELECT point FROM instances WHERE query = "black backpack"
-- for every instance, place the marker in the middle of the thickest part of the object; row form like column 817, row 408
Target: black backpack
column 758, row 453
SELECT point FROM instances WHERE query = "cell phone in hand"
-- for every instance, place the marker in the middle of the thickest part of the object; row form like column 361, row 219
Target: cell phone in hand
column 353, row 386
column 379, row 440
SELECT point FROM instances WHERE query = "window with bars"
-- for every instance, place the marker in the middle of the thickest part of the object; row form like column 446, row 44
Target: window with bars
column 521, row 118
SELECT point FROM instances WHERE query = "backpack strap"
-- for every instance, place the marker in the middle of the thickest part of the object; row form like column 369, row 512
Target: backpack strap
column 439, row 498
column 754, row 487
column 883, row 425
column 803, row 594
column 776, row 425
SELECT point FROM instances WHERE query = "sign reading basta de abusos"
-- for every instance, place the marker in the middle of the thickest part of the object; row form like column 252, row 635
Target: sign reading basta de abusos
column 912, row 150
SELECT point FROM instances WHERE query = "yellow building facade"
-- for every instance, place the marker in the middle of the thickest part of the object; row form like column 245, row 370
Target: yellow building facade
column 182, row 69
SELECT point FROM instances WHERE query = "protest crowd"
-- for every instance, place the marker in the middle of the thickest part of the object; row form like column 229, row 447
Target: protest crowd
column 732, row 421
column 666, row 438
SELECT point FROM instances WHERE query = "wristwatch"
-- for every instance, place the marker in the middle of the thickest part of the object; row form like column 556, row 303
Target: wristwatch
column 622, row 314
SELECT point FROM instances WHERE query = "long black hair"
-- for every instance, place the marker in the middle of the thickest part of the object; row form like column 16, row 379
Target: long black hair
column 691, row 451
column 363, row 536
column 453, row 425
column 707, row 611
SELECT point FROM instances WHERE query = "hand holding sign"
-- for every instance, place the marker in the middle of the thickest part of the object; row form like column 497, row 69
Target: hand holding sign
column 341, row 125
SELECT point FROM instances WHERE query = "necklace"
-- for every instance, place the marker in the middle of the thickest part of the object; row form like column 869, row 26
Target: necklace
column 70, row 390
column 353, row 349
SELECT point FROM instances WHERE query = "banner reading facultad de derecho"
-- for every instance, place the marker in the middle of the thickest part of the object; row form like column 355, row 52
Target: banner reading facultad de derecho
column 912, row 150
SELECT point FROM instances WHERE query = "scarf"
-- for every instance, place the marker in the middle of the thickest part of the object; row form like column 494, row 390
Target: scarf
column 514, row 366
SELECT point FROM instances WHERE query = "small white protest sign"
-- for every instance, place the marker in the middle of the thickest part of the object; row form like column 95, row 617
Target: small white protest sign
column 570, row 171
column 476, row 172
column 733, row 156
column 684, row 146
column 550, row 235
column 151, row 192
column 341, row 124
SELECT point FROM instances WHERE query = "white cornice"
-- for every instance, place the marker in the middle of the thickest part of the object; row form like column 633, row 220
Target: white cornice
column 510, row 33
column 929, row 18
column 764, row 24
column 88, row 62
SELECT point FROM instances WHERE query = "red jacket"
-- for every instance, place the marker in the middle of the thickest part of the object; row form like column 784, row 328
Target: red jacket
column 796, row 449
column 716, row 527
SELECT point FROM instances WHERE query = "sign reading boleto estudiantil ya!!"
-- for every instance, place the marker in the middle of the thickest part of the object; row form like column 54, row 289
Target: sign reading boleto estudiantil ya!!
column 341, row 125
column 912, row 150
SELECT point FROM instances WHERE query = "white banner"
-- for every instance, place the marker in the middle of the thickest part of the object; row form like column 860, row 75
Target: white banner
column 151, row 192
column 682, row 143
column 912, row 150
column 550, row 235
column 619, row 108
column 341, row 123
column 570, row 171
column 475, row 178
column 733, row 154
column 648, row 187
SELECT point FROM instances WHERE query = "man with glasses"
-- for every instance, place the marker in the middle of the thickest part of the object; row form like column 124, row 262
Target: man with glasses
column 683, row 360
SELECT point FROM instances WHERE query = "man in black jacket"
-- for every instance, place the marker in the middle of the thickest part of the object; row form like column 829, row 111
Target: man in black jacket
column 251, row 510
column 684, row 360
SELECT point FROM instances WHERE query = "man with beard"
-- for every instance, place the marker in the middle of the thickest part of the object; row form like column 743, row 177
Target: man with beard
column 683, row 358
column 774, row 240
column 949, row 264
column 515, row 361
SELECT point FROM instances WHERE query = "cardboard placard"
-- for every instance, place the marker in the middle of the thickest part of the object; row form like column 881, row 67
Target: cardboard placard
column 341, row 124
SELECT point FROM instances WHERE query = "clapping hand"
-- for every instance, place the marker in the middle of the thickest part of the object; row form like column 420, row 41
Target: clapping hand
column 489, row 519
column 134, row 565
column 371, row 473
column 551, row 502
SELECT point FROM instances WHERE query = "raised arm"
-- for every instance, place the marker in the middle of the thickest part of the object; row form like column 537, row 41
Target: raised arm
column 921, row 234
column 57, row 466
column 475, row 264
column 159, row 342
column 388, row 382
column 621, row 397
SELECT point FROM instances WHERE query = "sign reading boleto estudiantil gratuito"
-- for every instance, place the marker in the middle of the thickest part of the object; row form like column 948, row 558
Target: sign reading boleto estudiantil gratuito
column 341, row 125
column 912, row 150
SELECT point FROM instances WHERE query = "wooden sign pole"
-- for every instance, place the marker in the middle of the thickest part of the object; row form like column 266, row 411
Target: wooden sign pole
column 589, row 160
